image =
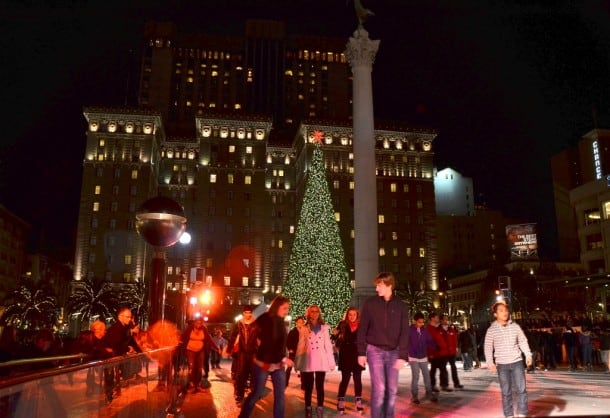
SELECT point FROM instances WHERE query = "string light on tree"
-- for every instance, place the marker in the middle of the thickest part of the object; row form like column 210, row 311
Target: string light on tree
column 317, row 272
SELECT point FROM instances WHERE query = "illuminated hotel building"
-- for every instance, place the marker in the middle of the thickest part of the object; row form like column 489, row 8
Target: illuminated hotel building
column 230, row 141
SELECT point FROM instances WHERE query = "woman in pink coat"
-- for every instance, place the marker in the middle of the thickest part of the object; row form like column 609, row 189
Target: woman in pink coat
column 314, row 357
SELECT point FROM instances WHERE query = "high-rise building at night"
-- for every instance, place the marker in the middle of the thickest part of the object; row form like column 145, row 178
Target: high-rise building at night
column 581, row 181
column 225, row 128
column 13, row 258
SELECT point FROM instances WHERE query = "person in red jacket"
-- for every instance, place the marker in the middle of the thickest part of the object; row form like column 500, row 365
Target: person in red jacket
column 438, row 356
column 451, row 336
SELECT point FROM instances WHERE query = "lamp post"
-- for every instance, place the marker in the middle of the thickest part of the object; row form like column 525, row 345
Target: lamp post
column 161, row 222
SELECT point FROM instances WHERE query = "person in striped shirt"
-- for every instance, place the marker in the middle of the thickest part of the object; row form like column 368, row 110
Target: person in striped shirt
column 505, row 342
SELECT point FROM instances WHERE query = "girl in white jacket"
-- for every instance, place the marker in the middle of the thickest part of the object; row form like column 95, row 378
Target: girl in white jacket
column 314, row 357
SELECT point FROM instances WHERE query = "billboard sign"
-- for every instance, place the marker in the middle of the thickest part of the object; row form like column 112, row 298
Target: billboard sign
column 522, row 241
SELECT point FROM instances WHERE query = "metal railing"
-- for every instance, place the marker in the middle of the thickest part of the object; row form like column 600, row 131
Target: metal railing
column 150, row 384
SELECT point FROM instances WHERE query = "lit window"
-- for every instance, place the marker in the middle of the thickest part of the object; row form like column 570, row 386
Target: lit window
column 227, row 280
column 394, row 236
column 134, row 174
column 102, row 142
column 393, row 187
column 127, row 259
column 336, row 184
column 98, row 189
column 244, row 281
column 408, row 251
column 395, row 252
column 212, row 178
column 291, row 229
column 420, row 204
column 96, row 206
column 231, row 148
column 248, row 180
column 249, row 149
column 381, row 251
column 422, row 252
column 380, row 219
column 351, row 185
column 230, row 178
column 280, row 243
column 338, row 216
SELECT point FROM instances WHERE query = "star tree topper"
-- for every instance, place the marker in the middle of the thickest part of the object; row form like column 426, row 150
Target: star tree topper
column 317, row 137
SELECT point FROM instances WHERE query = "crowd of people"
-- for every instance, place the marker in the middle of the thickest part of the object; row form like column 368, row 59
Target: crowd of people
column 379, row 336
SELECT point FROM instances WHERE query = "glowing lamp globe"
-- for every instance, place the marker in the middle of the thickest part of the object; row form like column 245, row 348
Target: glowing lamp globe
column 160, row 221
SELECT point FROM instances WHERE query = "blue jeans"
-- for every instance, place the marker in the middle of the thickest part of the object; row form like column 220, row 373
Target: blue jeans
column 278, row 378
column 417, row 368
column 587, row 355
column 384, row 381
column 467, row 358
column 572, row 356
column 513, row 376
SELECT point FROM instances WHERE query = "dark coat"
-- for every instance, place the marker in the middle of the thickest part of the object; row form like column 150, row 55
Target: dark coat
column 119, row 339
column 292, row 342
column 348, row 351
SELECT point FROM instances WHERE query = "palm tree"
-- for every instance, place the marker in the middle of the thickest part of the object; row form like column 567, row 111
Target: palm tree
column 417, row 300
column 32, row 307
column 134, row 295
column 93, row 298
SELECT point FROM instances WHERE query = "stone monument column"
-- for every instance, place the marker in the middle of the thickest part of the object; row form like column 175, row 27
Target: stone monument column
column 360, row 54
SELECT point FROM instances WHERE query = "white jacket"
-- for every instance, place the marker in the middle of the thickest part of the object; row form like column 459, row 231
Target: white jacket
column 314, row 351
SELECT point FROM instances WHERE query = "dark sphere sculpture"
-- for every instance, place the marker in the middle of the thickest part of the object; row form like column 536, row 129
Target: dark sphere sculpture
column 160, row 221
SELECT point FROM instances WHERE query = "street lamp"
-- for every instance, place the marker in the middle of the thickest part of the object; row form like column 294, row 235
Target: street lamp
column 161, row 222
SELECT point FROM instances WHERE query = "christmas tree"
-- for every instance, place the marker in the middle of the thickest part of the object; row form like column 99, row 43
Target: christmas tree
column 317, row 274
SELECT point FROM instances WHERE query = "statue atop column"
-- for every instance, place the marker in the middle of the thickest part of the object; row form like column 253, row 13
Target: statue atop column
column 362, row 13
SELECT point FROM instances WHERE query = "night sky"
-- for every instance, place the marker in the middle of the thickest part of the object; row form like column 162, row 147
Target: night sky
column 507, row 84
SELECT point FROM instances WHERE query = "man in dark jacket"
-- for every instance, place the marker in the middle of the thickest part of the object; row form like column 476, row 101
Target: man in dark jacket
column 291, row 344
column 382, row 340
column 119, row 338
column 242, row 346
